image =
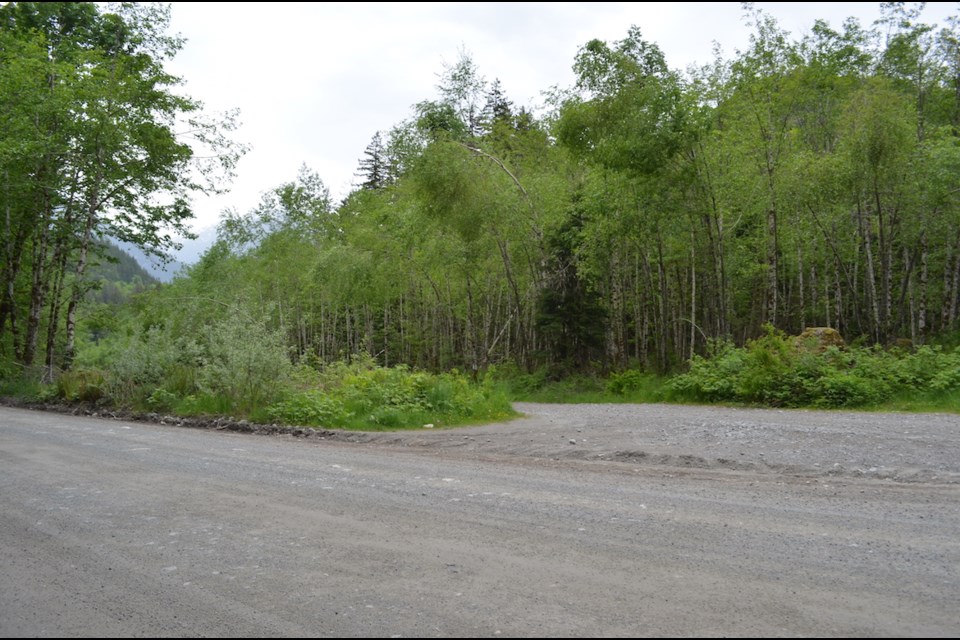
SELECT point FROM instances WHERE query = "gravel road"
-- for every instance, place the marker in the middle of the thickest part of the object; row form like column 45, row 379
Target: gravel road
column 577, row 520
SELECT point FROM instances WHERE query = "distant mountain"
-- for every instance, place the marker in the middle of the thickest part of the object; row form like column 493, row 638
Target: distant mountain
column 188, row 255
column 157, row 269
column 119, row 266
column 119, row 276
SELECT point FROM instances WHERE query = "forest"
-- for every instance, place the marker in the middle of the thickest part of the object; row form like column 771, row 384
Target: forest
column 647, row 224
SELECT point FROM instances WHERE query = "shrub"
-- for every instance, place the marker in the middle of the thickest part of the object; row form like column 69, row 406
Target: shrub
column 146, row 360
column 520, row 383
column 244, row 362
column 309, row 408
column 629, row 381
column 713, row 378
column 360, row 394
column 81, row 385
column 161, row 400
column 773, row 371
column 846, row 389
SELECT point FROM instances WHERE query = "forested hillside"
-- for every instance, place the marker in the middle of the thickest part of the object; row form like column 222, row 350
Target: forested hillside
column 117, row 277
column 645, row 217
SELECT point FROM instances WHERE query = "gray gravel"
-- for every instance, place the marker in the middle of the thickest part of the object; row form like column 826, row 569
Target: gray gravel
column 588, row 520
column 899, row 447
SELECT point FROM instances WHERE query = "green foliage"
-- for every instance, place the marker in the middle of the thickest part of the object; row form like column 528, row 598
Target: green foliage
column 202, row 404
column 652, row 215
column 82, row 385
column 628, row 382
column 243, row 361
column 309, row 408
column 18, row 383
column 136, row 363
column 711, row 379
column 96, row 142
column 549, row 385
column 774, row 371
column 161, row 400
column 362, row 395
column 570, row 315
column 236, row 359
column 519, row 382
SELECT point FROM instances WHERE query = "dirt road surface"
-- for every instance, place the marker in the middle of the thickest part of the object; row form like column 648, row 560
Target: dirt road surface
column 585, row 520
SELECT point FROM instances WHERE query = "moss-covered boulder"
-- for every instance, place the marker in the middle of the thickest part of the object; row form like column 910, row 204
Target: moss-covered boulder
column 818, row 339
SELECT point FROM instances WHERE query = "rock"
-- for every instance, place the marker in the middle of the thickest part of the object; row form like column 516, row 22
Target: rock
column 818, row 339
column 902, row 344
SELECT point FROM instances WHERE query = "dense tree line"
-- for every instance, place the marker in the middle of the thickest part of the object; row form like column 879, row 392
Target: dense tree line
column 95, row 145
column 645, row 216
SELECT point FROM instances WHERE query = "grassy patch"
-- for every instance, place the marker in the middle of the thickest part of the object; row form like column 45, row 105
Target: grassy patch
column 362, row 395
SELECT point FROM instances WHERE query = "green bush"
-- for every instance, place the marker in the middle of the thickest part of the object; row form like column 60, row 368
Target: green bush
column 309, row 408
column 161, row 400
column 81, row 385
column 847, row 389
column 204, row 405
column 135, row 364
column 360, row 394
column 16, row 381
column 520, row 383
column 713, row 378
column 244, row 362
column 625, row 382
column 774, row 371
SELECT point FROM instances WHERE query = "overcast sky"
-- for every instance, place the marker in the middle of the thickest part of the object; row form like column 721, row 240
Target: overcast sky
column 315, row 81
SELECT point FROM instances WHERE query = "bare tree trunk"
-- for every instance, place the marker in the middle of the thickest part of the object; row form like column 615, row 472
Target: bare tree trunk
column 348, row 328
column 924, row 274
column 693, row 294
column 814, row 295
column 38, row 293
column 826, row 292
column 652, row 289
column 956, row 289
column 664, row 289
column 368, row 328
column 772, row 266
column 886, row 266
column 92, row 206
column 715, row 232
column 802, row 300
column 841, row 325
column 386, row 335
column 40, row 281
column 56, row 302
column 637, row 307
column 947, row 289
column 404, row 349
column 518, row 307
column 13, row 251
column 866, row 237
column 615, row 351
column 489, row 321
